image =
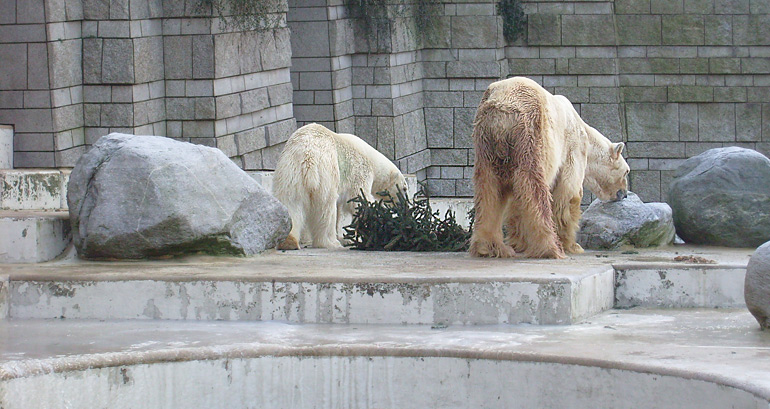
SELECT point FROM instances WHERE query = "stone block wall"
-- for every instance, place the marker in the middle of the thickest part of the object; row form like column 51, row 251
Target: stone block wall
column 80, row 69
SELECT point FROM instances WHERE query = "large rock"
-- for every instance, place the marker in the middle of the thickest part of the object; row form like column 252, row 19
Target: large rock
column 609, row 225
column 148, row 196
column 757, row 285
column 722, row 197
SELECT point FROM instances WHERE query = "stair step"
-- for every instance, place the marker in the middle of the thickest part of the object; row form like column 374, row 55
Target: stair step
column 33, row 189
column 346, row 286
column 33, row 236
column 620, row 359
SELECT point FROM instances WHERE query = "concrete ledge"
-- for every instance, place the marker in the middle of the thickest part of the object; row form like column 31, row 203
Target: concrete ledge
column 667, row 362
column 676, row 286
column 33, row 236
column 33, row 189
column 317, row 286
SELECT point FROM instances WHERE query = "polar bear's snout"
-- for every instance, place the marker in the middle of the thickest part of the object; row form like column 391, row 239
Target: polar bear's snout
column 620, row 195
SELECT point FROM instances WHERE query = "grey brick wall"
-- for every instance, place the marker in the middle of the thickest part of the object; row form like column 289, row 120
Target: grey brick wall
column 79, row 69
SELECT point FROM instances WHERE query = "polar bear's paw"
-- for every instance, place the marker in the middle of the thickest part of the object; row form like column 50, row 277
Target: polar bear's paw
column 573, row 248
column 486, row 248
column 290, row 243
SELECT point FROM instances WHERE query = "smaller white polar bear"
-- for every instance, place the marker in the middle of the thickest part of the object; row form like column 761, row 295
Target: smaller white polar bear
column 318, row 172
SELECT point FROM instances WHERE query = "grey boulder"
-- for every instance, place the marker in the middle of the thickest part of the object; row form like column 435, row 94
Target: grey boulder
column 148, row 196
column 757, row 285
column 722, row 197
column 609, row 225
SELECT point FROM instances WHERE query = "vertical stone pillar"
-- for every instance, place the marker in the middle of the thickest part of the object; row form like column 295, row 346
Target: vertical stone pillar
column 123, row 70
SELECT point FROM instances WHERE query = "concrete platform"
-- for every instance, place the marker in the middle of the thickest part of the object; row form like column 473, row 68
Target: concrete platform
column 33, row 236
column 346, row 286
column 619, row 359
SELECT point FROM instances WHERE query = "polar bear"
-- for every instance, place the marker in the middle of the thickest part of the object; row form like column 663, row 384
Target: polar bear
column 318, row 172
column 533, row 155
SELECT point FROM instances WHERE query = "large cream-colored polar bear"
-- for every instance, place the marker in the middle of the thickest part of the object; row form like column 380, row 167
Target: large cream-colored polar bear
column 318, row 172
column 533, row 154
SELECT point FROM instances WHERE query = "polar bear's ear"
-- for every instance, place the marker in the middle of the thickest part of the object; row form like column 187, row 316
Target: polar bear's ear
column 616, row 149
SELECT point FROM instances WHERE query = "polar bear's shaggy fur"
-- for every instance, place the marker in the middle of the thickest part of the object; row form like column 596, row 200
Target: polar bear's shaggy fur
column 318, row 172
column 533, row 154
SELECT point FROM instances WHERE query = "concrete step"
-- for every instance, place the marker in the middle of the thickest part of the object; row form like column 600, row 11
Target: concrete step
column 33, row 236
column 620, row 359
column 33, row 189
column 346, row 286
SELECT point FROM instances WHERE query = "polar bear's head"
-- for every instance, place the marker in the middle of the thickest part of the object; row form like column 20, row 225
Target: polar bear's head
column 394, row 183
column 607, row 171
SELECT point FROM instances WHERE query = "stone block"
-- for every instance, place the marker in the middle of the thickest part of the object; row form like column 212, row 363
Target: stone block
column 574, row 94
column 315, row 81
column 177, row 57
column 117, row 115
column 67, row 117
column 463, row 127
column 92, row 60
column 309, row 39
column 592, row 66
column 201, row 130
column 361, row 107
column 632, row 6
column 203, row 56
column 699, row 6
column 117, row 55
column 694, row 65
column 441, row 187
column 751, row 29
column 648, row 65
column 254, row 100
column 38, row 99
column 644, row 94
column 688, row 122
column 605, row 118
column 531, row 66
column 748, row 122
column 199, row 88
column 639, row 30
column 227, row 106
column 646, row 185
column 29, row 12
column 33, row 142
column 690, row 94
column 30, row 120
column 718, row 30
column 732, row 6
column 148, row 59
column 33, row 160
column 666, row 7
column 473, row 69
column 448, row 157
column 119, row 10
column 14, row 72
column 543, row 29
column 683, row 30
column 716, row 122
column 248, row 55
column 315, row 113
column 382, row 107
column 755, row 65
column 180, row 109
column 439, row 125
column 656, row 150
column 444, row 99
column 596, row 29
column 652, row 122
column 601, row 95
column 730, row 94
column 65, row 63
column 474, row 32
